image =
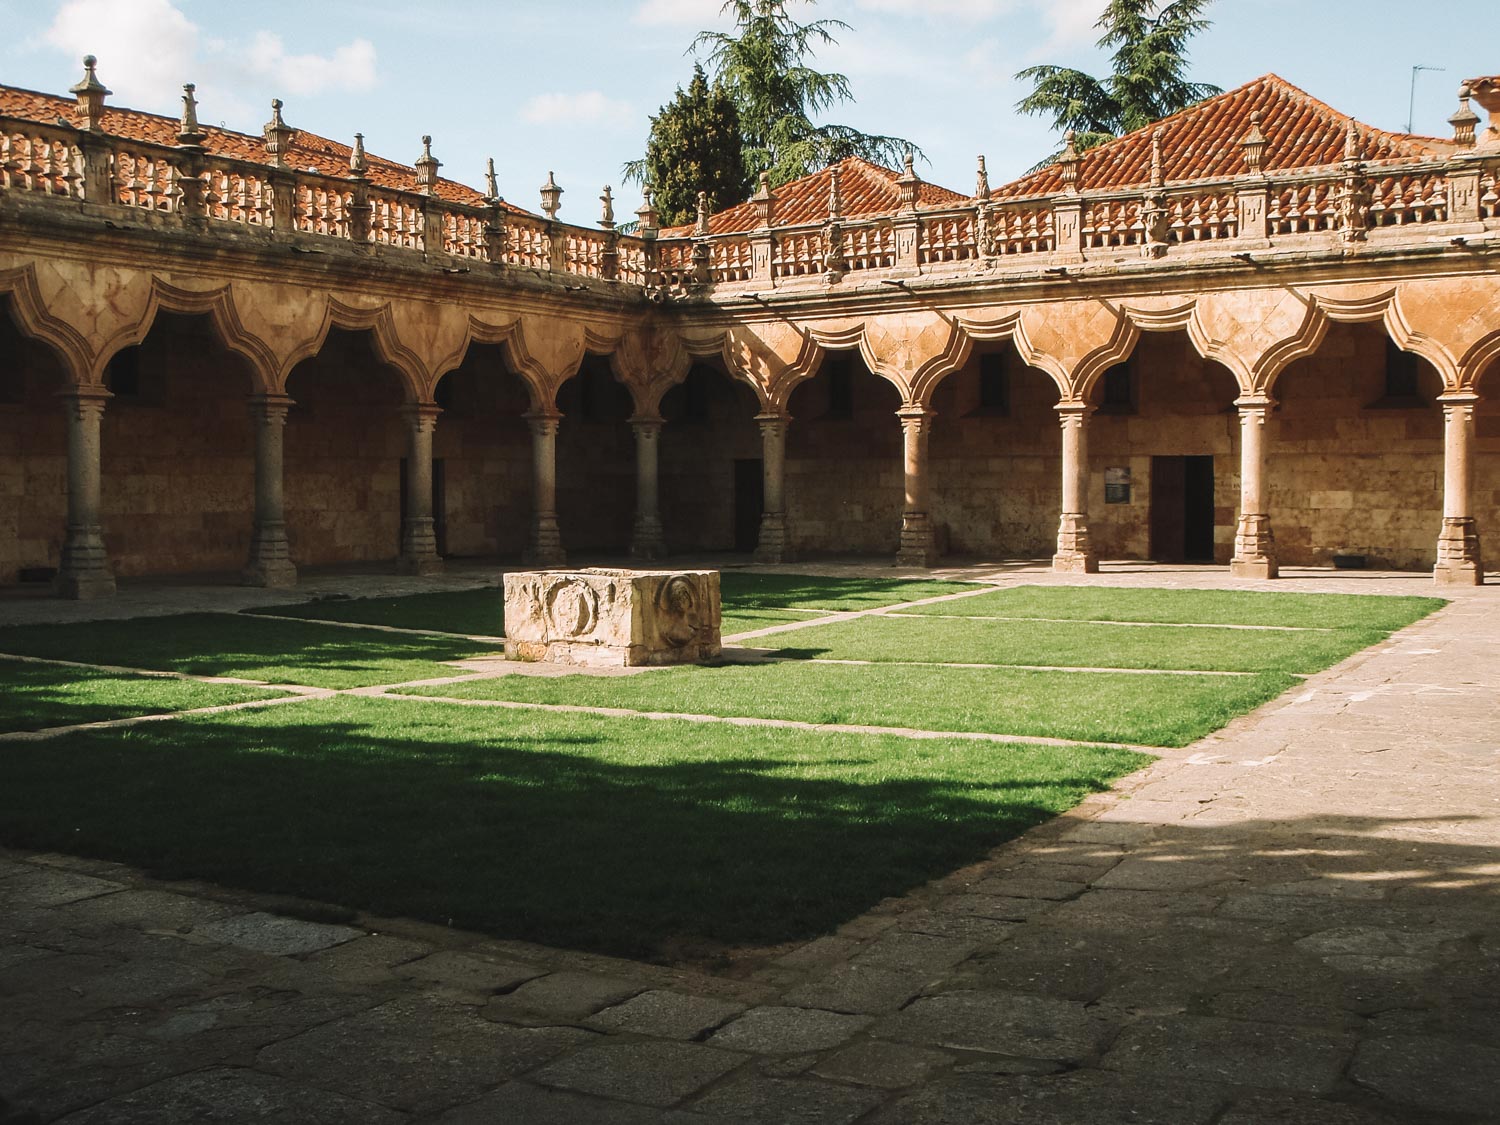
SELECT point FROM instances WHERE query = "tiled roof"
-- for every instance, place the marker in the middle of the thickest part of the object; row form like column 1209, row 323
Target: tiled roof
column 309, row 151
column 864, row 189
column 1202, row 142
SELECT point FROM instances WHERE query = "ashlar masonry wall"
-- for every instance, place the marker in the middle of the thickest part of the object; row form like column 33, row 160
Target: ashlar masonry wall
column 33, row 455
column 710, row 425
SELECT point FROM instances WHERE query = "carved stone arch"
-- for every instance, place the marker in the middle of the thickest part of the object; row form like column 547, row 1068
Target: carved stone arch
column 477, row 331
column 1409, row 339
column 913, row 351
column 1009, row 326
column 549, row 353
column 1477, row 361
column 1093, row 364
column 773, row 357
column 650, row 361
column 389, row 349
column 219, row 306
column 31, row 316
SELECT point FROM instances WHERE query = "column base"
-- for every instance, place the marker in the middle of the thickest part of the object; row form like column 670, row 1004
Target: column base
column 545, row 548
column 1261, row 567
column 1075, row 555
column 419, row 554
column 918, row 544
column 1458, row 557
column 270, row 562
column 646, row 540
column 772, row 546
column 84, row 572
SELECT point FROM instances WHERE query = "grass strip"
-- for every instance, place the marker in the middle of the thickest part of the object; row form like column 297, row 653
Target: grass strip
column 469, row 612
column 1081, row 644
column 229, row 644
column 743, row 591
column 1207, row 607
column 38, row 696
column 622, row 836
column 1083, row 706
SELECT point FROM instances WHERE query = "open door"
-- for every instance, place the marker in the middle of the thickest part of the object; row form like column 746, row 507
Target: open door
column 749, row 499
column 1182, row 509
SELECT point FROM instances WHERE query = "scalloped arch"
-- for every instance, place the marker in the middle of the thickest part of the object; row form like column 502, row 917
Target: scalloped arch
column 650, row 361
column 30, row 313
column 1482, row 358
column 1011, row 327
column 380, row 323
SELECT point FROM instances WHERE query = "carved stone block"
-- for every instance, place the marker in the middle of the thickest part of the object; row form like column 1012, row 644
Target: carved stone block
column 612, row 618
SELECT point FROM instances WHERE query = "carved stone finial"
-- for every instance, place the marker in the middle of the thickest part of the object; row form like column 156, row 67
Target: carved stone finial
column 551, row 197
column 427, row 166
column 1465, row 121
column 1352, row 150
column 357, row 162
column 835, row 198
column 701, row 227
column 189, row 135
column 491, row 184
column 646, row 218
column 982, row 181
column 278, row 135
column 1253, row 145
column 607, row 215
column 765, row 202
column 90, row 93
column 908, row 183
column 1069, row 160
column 1156, row 139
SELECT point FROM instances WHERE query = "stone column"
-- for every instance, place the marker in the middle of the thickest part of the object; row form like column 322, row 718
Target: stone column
column 270, row 554
column 918, row 547
column 85, row 571
column 419, row 554
column 1458, row 560
column 545, row 547
column 646, row 540
column 773, row 545
column 1074, row 555
column 1254, row 545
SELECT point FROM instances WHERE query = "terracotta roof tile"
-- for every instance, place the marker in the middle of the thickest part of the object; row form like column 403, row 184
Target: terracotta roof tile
column 1202, row 142
column 864, row 189
column 308, row 152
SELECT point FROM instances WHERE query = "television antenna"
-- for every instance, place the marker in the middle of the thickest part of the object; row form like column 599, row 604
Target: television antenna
column 1411, row 108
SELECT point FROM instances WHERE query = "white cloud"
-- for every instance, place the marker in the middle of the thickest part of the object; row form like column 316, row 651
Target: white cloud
column 350, row 67
column 146, row 48
column 968, row 10
column 588, row 107
column 1070, row 22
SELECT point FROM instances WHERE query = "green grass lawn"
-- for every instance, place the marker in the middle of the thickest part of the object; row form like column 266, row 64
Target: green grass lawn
column 751, row 601
column 611, row 835
column 37, row 696
column 467, row 612
column 1208, row 607
column 252, row 648
column 1081, row 644
column 1143, row 710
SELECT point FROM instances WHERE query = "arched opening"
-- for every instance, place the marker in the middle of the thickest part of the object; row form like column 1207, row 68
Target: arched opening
column 1485, row 497
column 345, row 440
column 1355, row 456
column 711, row 472
column 1164, row 468
column 177, row 454
column 844, row 480
column 595, row 461
column 481, row 469
column 33, row 457
column 995, row 457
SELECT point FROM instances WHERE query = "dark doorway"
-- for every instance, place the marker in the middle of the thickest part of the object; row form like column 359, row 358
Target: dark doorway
column 1182, row 509
column 439, row 505
column 749, row 499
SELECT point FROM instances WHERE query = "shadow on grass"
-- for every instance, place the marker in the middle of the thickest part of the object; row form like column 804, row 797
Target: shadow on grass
column 567, row 830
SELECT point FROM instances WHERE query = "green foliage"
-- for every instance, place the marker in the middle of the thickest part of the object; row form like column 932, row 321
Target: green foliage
column 1147, row 79
column 695, row 145
column 762, row 67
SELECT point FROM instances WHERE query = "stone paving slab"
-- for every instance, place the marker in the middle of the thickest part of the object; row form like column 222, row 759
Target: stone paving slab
column 1295, row 921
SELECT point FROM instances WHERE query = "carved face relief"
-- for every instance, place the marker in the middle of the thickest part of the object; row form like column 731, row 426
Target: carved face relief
column 677, row 610
column 572, row 608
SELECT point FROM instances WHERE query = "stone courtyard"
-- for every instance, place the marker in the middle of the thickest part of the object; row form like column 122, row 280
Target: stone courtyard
column 1291, row 921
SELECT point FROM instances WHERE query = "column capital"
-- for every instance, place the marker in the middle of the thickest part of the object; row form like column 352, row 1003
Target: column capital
column 1254, row 402
column 543, row 423
column 647, row 424
column 421, row 415
column 1072, row 408
column 269, row 408
column 771, row 424
column 915, row 414
column 85, row 397
column 1458, row 398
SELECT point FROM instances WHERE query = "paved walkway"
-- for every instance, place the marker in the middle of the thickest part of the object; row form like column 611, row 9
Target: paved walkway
column 1294, row 921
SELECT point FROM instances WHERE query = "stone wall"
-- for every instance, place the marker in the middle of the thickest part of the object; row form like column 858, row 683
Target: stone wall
column 33, row 455
column 345, row 439
column 844, row 482
column 595, row 462
column 710, row 424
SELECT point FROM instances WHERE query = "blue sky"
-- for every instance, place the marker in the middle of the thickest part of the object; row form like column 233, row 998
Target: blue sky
column 568, row 86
